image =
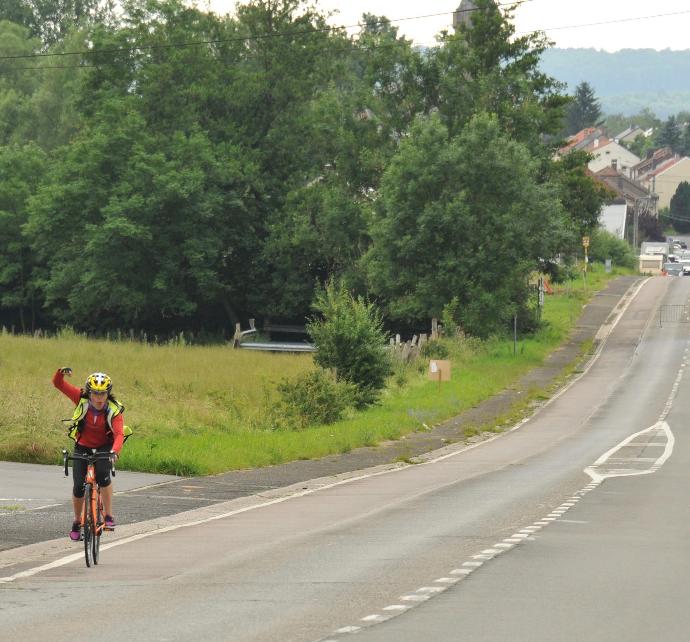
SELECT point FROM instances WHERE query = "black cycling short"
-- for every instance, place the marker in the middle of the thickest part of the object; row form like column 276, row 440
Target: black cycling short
column 79, row 469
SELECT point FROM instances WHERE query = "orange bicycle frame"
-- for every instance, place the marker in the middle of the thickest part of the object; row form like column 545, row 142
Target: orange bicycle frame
column 95, row 500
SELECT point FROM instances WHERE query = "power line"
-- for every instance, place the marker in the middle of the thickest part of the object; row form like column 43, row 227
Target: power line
column 296, row 34
column 611, row 22
column 278, row 34
column 353, row 50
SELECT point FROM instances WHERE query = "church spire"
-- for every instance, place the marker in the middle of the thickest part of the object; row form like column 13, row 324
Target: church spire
column 462, row 16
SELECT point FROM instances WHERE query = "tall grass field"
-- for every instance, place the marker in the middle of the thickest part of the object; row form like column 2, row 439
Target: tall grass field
column 205, row 410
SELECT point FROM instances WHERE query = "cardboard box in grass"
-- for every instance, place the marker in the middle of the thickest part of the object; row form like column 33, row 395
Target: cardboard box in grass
column 439, row 370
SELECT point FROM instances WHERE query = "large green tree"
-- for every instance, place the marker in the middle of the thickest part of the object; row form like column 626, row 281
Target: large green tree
column 21, row 170
column 680, row 208
column 16, row 85
column 462, row 217
column 52, row 20
column 140, row 232
column 486, row 67
column 582, row 196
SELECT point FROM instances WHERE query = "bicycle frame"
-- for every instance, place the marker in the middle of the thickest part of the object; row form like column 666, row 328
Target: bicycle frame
column 92, row 517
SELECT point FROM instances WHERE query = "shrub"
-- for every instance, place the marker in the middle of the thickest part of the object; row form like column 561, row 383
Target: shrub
column 450, row 317
column 435, row 350
column 315, row 397
column 604, row 245
column 349, row 339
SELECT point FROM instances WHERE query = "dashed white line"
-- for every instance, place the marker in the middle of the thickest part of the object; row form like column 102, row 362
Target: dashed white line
column 447, row 580
column 375, row 618
column 460, row 571
column 431, row 589
column 414, row 597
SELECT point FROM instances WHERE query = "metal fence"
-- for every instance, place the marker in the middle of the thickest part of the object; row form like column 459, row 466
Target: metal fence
column 674, row 314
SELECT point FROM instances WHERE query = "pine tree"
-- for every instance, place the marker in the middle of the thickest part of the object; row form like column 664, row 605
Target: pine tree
column 584, row 111
column 670, row 135
column 684, row 147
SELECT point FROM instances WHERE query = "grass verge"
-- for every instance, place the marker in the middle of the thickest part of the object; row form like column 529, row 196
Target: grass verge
column 206, row 410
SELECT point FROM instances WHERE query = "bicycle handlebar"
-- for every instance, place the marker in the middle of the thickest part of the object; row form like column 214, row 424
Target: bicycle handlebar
column 89, row 459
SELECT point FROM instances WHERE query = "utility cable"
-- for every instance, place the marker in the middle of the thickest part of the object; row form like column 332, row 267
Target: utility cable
column 278, row 34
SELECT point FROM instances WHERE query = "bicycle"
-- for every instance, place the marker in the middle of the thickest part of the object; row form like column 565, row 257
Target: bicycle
column 92, row 517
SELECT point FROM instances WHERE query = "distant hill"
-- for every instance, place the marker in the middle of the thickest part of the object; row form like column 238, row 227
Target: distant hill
column 626, row 81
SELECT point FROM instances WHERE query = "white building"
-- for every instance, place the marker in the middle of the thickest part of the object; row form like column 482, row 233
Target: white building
column 612, row 219
column 608, row 153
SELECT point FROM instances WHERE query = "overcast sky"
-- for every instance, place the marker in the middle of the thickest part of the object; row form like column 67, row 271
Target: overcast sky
column 570, row 23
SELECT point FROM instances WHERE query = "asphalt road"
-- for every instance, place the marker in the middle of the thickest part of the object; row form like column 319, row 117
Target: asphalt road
column 614, row 565
column 511, row 539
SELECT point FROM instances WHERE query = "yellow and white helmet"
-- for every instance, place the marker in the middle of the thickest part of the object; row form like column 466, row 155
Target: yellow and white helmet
column 98, row 382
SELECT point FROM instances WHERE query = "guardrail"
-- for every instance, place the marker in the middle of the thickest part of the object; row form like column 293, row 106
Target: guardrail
column 275, row 346
column 272, row 346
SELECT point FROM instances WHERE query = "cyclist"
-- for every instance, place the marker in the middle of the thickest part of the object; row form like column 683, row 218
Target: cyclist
column 97, row 423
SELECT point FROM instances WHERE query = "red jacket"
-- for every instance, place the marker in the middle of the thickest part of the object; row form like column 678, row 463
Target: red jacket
column 94, row 432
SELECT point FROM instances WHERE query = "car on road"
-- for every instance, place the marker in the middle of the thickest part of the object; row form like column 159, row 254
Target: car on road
column 673, row 269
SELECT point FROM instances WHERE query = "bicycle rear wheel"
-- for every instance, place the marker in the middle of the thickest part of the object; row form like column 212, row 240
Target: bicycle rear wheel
column 88, row 530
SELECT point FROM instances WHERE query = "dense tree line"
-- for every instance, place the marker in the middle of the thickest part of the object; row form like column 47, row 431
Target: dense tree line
column 164, row 168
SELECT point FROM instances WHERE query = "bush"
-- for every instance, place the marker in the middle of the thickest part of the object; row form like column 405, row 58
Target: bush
column 435, row 350
column 349, row 339
column 450, row 317
column 315, row 397
column 604, row 245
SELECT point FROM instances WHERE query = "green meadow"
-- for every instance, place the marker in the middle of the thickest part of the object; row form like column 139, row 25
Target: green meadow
column 204, row 410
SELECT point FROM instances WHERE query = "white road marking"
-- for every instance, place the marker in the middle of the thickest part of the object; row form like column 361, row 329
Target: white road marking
column 448, row 580
column 26, row 510
column 25, row 499
column 461, row 571
column 375, row 618
column 414, row 598
column 598, row 476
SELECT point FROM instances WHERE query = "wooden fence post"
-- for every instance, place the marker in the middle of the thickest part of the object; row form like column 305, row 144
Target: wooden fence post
column 236, row 338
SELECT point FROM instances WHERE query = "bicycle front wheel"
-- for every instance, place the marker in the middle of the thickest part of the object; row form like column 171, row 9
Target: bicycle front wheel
column 88, row 530
column 99, row 527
